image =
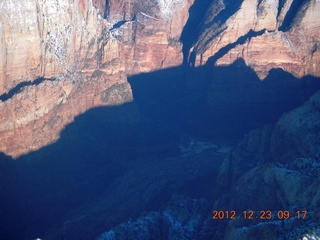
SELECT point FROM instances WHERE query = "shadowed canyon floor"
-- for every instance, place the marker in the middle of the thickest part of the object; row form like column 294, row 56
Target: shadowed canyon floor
column 113, row 163
column 150, row 114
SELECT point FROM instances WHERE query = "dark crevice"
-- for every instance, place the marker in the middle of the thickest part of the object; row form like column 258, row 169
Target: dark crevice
column 122, row 22
column 6, row 96
column 191, row 31
column 106, row 10
column 118, row 24
column 241, row 40
column 280, row 6
column 291, row 14
column 53, row 191
column 216, row 26
column 193, row 54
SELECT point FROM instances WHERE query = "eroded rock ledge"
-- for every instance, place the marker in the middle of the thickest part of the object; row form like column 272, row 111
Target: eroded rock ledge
column 80, row 45
column 275, row 167
column 89, row 46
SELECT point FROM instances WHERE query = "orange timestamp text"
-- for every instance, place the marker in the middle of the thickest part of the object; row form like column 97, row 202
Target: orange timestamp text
column 262, row 214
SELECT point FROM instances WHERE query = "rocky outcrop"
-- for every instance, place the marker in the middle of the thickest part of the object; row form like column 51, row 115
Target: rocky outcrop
column 59, row 58
column 289, row 36
column 181, row 219
column 64, row 37
column 275, row 168
column 115, row 190
column 95, row 44
column 35, row 117
column 149, row 33
column 85, row 48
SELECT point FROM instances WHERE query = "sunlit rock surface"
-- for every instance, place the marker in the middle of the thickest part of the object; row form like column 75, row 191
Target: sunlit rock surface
column 87, row 48
column 97, row 43
column 288, row 38
column 59, row 59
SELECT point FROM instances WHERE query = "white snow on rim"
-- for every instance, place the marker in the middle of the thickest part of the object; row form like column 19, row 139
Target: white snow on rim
column 274, row 5
column 167, row 7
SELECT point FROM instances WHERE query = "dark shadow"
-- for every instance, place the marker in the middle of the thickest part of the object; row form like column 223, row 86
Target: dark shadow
column 291, row 14
column 191, row 30
column 4, row 97
column 241, row 40
column 230, row 8
column 280, row 6
column 80, row 179
column 218, row 102
column 43, row 188
column 106, row 10
column 120, row 23
column 219, row 12
column 224, row 50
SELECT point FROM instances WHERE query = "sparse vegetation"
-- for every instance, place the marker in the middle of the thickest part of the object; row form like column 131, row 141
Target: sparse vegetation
column 174, row 42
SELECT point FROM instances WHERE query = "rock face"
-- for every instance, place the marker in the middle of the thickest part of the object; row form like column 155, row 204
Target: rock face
column 275, row 167
column 60, row 58
column 182, row 219
column 288, row 36
column 146, row 183
column 87, row 48
column 82, row 43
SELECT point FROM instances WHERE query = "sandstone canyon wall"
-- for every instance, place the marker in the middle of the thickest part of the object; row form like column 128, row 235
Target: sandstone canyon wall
column 83, row 51
column 60, row 58
column 287, row 36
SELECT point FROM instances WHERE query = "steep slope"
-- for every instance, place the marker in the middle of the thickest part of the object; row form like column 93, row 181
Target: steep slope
column 84, row 50
column 82, row 58
column 270, row 179
column 294, row 50
column 275, row 168
column 60, row 58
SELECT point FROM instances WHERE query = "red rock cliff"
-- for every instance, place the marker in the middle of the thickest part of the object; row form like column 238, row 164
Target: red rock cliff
column 85, row 53
column 289, row 37
column 82, row 48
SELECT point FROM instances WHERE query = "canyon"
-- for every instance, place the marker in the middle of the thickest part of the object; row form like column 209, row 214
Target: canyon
column 90, row 47
column 146, row 101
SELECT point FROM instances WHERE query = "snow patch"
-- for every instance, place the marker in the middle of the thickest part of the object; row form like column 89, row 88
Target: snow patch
column 60, row 27
column 274, row 5
column 19, row 13
column 167, row 8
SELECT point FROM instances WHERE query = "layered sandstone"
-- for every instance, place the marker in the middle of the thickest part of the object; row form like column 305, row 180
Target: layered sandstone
column 294, row 49
column 83, row 48
column 98, row 43
column 45, row 39
column 149, row 33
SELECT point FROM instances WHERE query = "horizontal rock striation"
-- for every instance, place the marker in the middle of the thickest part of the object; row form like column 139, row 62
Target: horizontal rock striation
column 290, row 40
column 88, row 46
column 81, row 45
